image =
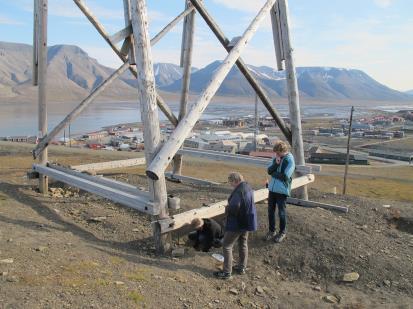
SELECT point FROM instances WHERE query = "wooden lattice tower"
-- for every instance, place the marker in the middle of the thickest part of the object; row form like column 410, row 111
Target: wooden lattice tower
column 137, row 57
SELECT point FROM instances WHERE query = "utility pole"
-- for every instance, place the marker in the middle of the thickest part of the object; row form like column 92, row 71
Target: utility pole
column 256, row 124
column 70, row 137
column 348, row 150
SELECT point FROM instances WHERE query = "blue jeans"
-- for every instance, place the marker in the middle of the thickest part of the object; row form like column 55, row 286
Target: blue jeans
column 274, row 200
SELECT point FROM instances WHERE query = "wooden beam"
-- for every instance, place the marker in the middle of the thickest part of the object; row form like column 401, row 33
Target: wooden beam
column 121, row 35
column 129, row 44
column 147, row 99
column 186, row 63
column 44, row 142
column 162, row 159
column 169, row 26
column 138, row 202
column 193, row 180
column 99, row 27
column 185, row 218
column 35, row 75
column 244, row 69
column 42, row 7
column 102, row 180
column 311, row 204
column 276, row 32
column 109, row 165
column 293, row 94
column 242, row 159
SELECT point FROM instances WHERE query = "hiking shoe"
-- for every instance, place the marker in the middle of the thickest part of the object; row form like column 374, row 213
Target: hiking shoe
column 270, row 235
column 222, row 275
column 240, row 270
column 279, row 238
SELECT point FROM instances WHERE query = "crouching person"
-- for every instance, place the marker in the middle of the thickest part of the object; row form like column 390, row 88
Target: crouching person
column 241, row 218
column 208, row 234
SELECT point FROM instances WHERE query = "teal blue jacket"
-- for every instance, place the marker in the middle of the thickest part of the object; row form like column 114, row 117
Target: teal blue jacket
column 281, row 175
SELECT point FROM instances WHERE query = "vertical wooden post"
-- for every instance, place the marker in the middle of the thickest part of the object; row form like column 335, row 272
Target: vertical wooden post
column 35, row 73
column 348, row 151
column 41, row 35
column 293, row 94
column 276, row 32
column 186, row 63
column 149, row 110
column 127, row 13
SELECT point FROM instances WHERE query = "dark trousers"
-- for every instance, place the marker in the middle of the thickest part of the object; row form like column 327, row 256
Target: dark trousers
column 201, row 241
column 277, row 200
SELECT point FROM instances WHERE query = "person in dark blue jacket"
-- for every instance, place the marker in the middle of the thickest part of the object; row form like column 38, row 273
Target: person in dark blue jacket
column 281, row 171
column 241, row 218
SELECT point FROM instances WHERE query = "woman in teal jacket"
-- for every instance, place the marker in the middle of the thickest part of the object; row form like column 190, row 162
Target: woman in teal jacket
column 281, row 171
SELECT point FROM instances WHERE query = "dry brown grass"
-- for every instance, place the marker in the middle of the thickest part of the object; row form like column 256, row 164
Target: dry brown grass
column 385, row 182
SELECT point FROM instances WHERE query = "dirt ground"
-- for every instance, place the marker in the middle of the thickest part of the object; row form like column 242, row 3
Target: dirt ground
column 81, row 251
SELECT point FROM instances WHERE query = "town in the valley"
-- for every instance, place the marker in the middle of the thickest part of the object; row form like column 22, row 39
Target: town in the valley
column 324, row 138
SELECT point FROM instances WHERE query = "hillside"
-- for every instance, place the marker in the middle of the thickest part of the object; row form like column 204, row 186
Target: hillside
column 72, row 74
column 65, row 252
column 314, row 82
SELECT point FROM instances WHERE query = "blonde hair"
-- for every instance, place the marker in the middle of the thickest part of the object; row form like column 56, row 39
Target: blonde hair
column 197, row 223
column 281, row 147
column 235, row 177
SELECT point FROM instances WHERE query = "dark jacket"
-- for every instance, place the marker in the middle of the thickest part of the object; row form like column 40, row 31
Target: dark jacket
column 241, row 212
column 212, row 230
column 210, row 235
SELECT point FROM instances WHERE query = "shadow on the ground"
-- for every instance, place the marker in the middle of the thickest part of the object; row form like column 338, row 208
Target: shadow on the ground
column 133, row 251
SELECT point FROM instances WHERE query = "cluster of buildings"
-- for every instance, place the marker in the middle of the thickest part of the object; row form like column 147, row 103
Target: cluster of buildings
column 377, row 127
column 228, row 141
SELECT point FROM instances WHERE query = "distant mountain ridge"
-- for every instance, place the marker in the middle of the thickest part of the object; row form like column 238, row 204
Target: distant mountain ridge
column 73, row 74
column 314, row 82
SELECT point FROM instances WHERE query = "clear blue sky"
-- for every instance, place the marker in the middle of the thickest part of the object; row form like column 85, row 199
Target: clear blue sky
column 371, row 35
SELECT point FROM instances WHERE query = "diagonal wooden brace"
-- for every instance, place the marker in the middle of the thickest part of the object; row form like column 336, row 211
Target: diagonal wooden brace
column 175, row 141
column 44, row 142
column 99, row 27
column 244, row 69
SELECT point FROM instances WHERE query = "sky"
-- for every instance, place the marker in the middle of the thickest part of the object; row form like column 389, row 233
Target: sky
column 372, row 35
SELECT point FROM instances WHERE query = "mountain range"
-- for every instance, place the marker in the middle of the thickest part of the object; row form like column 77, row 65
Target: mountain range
column 72, row 74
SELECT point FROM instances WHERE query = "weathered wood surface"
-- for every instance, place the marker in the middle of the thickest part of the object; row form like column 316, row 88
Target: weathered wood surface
column 122, row 186
column 99, row 27
column 42, row 7
column 293, row 94
column 185, row 218
column 147, row 99
column 193, row 180
column 242, row 159
column 138, row 202
column 109, row 165
column 176, row 139
column 121, row 35
column 186, row 62
column 276, row 31
column 243, row 69
column 128, row 44
column 172, row 24
column 35, row 64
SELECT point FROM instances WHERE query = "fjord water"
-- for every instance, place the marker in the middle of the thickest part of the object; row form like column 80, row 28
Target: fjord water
column 21, row 118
